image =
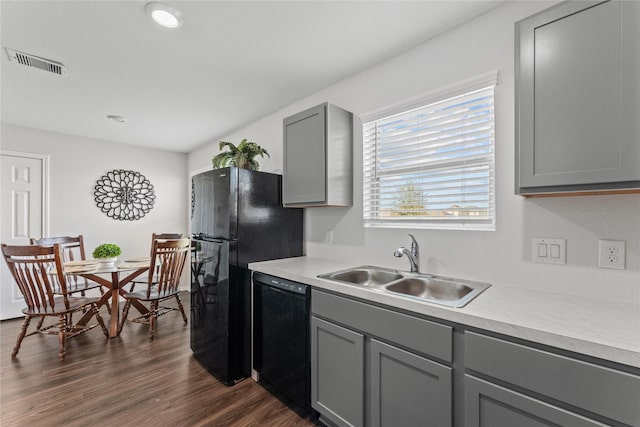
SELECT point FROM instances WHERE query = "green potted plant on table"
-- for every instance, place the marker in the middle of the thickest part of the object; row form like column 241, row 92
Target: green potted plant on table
column 241, row 156
column 107, row 253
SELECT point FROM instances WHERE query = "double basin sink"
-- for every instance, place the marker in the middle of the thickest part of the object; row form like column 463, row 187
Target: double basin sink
column 425, row 287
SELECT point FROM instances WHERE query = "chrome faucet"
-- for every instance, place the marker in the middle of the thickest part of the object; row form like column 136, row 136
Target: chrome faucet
column 413, row 254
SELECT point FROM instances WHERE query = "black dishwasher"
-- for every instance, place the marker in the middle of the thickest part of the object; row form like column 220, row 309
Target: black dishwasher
column 281, row 342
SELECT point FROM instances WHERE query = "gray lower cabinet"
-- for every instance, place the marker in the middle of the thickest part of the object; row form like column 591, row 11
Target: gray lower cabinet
column 337, row 373
column 407, row 389
column 489, row 405
column 588, row 393
column 578, row 98
column 371, row 366
column 377, row 366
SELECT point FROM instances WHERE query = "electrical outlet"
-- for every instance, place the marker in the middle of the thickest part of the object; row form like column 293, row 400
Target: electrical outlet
column 328, row 236
column 611, row 254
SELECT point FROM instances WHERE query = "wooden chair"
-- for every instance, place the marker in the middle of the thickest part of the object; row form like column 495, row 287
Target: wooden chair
column 169, row 258
column 37, row 270
column 155, row 236
column 72, row 250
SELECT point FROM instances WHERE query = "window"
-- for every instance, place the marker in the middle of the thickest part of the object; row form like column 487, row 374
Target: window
column 429, row 163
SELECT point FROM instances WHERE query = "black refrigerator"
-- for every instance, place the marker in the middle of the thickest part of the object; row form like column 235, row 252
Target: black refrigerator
column 236, row 218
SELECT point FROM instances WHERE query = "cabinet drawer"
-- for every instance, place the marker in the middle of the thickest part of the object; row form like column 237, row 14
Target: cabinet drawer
column 428, row 338
column 489, row 405
column 604, row 391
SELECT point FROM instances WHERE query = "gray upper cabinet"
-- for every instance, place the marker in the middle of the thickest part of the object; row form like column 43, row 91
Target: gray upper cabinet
column 578, row 98
column 318, row 157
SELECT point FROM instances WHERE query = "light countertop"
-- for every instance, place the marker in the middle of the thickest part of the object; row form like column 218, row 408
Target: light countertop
column 594, row 327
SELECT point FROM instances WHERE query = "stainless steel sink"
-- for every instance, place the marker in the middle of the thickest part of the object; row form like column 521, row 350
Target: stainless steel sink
column 430, row 288
column 364, row 276
column 434, row 289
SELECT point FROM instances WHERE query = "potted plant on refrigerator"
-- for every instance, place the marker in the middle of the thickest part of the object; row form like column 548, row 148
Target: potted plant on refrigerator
column 241, row 156
column 107, row 253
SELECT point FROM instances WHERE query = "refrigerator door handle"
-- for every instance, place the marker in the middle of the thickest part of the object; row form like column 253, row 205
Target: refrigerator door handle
column 208, row 239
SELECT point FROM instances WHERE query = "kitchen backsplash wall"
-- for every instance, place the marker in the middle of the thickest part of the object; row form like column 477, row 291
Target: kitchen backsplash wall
column 75, row 165
column 503, row 256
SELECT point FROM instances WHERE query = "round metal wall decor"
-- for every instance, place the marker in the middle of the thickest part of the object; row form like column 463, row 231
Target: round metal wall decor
column 124, row 195
column 193, row 198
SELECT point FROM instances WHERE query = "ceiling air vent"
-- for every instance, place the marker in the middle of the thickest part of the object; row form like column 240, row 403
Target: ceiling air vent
column 36, row 62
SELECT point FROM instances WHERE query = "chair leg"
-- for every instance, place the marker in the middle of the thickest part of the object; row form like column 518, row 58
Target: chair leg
column 62, row 336
column 125, row 313
column 133, row 285
column 96, row 312
column 21, row 334
column 69, row 321
column 184, row 316
column 152, row 319
column 40, row 322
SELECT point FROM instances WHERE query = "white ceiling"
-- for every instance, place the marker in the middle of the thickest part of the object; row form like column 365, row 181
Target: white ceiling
column 230, row 64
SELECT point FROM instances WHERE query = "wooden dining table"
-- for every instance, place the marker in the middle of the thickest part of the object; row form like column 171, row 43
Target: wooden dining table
column 109, row 277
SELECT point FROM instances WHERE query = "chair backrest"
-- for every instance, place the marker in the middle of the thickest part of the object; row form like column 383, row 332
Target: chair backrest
column 168, row 260
column 72, row 247
column 38, row 272
column 164, row 236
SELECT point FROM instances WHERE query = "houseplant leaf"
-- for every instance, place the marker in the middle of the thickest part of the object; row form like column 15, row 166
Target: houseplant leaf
column 241, row 156
column 106, row 250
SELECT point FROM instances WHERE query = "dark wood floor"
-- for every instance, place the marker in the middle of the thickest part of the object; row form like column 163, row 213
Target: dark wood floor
column 125, row 381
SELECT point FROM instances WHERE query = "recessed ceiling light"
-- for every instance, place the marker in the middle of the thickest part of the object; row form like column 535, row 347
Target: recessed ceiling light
column 164, row 15
column 117, row 119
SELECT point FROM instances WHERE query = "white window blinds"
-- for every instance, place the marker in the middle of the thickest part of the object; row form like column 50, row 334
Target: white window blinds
column 432, row 165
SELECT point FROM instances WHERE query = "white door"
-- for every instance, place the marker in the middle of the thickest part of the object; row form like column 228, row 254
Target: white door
column 21, row 217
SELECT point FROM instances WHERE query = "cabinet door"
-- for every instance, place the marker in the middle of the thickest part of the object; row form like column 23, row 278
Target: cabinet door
column 489, row 405
column 408, row 390
column 337, row 373
column 573, row 382
column 304, row 178
column 578, row 96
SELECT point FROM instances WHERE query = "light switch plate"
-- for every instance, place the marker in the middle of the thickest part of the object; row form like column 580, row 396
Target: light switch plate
column 612, row 253
column 549, row 251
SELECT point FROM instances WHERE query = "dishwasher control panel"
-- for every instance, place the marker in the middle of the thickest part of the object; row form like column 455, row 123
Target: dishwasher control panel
column 280, row 283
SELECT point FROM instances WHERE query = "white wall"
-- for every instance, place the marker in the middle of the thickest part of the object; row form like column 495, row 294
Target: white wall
column 503, row 256
column 75, row 165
